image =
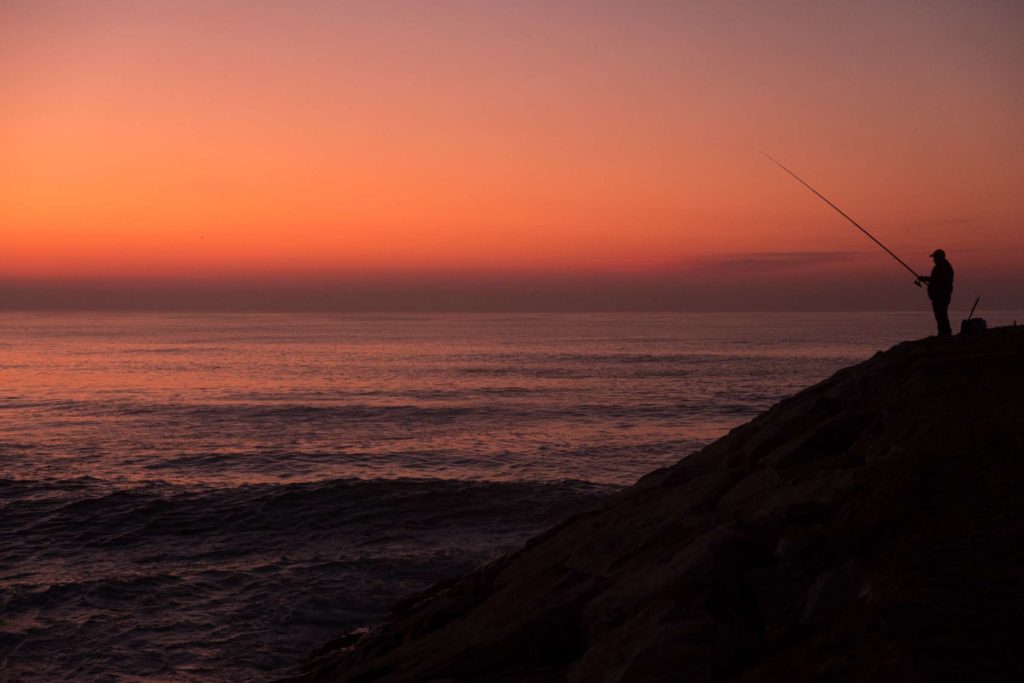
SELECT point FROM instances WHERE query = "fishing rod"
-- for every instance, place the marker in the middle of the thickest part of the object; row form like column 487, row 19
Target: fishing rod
column 917, row 278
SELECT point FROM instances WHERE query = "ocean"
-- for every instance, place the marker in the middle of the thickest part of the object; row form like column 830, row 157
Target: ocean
column 205, row 497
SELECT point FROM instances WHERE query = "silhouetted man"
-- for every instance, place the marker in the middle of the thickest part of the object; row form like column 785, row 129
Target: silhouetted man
column 940, row 290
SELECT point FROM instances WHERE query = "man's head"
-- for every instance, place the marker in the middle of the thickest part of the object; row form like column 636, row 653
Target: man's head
column 938, row 255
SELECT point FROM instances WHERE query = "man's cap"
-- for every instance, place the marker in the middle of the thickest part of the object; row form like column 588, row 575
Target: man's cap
column 938, row 252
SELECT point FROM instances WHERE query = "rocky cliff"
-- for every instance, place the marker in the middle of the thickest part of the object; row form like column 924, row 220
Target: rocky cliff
column 869, row 528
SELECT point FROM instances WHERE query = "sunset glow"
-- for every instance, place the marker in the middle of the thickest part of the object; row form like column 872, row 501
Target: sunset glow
column 309, row 308
column 316, row 141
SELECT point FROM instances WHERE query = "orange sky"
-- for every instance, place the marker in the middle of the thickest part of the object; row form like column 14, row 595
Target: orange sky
column 204, row 141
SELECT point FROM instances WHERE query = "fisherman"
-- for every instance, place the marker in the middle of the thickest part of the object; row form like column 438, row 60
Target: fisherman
column 940, row 282
column 940, row 290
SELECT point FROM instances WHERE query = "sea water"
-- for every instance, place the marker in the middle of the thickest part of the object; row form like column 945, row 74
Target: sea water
column 209, row 497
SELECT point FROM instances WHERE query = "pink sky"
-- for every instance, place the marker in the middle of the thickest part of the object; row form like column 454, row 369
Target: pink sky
column 507, row 155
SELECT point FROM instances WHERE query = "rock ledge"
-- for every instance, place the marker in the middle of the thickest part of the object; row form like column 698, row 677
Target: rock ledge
column 869, row 528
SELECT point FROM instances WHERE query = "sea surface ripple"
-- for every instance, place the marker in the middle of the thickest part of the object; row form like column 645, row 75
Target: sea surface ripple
column 189, row 497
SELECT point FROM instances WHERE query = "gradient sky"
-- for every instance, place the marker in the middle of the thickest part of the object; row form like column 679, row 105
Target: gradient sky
column 506, row 155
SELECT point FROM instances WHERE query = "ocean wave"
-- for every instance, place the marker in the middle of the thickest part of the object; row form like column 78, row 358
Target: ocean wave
column 208, row 515
column 262, row 570
column 96, row 514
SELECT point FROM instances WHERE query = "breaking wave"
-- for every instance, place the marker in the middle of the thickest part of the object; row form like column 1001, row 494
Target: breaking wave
column 146, row 581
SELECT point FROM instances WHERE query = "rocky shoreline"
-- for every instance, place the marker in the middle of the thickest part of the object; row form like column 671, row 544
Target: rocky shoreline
column 869, row 528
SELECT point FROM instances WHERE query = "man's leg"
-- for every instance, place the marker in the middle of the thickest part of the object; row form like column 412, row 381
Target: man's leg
column 940, row 306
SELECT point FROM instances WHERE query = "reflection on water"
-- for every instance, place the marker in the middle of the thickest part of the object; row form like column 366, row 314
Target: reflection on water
column 271, row 398
column 204, row 497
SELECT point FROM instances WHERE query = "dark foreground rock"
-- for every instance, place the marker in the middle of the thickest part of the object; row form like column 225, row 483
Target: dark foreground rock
column 869, row 528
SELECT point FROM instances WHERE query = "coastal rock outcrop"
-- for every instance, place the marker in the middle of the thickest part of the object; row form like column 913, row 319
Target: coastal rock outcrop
column 869, row 528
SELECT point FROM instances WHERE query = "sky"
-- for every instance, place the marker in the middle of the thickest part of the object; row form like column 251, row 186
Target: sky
column 506, row 155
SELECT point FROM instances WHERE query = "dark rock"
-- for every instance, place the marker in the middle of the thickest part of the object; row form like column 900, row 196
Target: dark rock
column 869, row 528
